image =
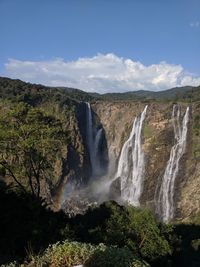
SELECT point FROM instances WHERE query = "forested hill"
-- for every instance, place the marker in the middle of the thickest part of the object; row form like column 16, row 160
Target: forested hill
column 35, row 93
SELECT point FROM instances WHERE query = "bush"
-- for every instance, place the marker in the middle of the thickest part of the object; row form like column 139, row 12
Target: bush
column 67, row 254
column 121, row 226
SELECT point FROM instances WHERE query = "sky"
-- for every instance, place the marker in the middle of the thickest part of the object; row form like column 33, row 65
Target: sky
column 101, row 45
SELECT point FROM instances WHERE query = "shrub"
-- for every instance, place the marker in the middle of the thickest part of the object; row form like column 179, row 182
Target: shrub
column 67, row 254
column 122, row 226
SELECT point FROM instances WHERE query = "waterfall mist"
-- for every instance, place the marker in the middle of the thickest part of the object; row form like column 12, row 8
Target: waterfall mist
column 165, row 199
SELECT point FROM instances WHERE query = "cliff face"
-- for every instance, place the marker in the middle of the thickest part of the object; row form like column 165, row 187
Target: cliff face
column 189, row 200
column 74, row 168
column 113, row 121
column 158, row 139
column 73, row 165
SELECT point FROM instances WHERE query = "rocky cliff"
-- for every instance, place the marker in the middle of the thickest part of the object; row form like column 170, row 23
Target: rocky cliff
column 114, row 119
column 158, row 138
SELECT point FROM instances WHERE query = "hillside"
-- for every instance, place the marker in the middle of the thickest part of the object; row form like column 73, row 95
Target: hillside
column 35, row 93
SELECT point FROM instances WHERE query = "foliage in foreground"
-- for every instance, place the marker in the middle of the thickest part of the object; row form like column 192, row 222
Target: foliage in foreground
column 68, row 254
column 134, row 228
column 26, row 224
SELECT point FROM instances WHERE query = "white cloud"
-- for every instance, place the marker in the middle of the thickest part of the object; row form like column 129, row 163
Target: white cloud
column 101, row 73
column 195, row 24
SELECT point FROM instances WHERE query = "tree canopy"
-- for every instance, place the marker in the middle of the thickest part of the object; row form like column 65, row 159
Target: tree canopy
column 30, row 140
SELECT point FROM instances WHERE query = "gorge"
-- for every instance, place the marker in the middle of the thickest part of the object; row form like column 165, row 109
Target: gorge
column 128, row 150
column 135, row 160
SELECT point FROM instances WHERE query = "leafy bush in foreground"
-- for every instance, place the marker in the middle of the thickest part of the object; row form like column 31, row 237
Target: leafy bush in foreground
column 67, row 254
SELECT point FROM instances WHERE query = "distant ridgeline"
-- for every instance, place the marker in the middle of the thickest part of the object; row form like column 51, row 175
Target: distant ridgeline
column 36, row 93
column 139, row 147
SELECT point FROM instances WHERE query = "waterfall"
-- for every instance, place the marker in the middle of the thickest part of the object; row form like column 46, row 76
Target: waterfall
column 131, row 163
column 90, row 139
column 165, row 207
column 93, row 141
column 96, row 151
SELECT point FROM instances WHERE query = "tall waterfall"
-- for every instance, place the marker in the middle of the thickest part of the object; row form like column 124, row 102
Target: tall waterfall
column 93, row 141
column 165, row 204
column 131, row 163
column 96, row 150
column 90, row 138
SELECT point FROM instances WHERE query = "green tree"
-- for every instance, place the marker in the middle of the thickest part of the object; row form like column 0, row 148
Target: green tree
column 150, row 236
column 124, row 226
column 30, row 140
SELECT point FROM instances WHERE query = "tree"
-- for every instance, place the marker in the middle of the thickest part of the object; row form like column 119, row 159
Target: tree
column 30, row 140
column 124, row 226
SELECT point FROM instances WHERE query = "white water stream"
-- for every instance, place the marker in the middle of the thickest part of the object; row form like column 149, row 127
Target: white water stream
column 165, row 201
column 93, row 141
column 131, row 163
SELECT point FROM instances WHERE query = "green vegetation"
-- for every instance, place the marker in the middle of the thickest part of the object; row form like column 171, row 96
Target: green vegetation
column 195, row 219
column 30, row 140
column 40, row 140
column 196, row 125
column 74, row 253
column 196, row 134
column 35, row 94
column 36, row 124
column 148, row 131
column 112, row 224
column 130, row 236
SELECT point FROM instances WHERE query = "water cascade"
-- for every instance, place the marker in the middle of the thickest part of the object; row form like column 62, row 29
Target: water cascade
column 90, row 139
column 131, row 163
column 93, row 141
column 96, row 150
column 165, row 200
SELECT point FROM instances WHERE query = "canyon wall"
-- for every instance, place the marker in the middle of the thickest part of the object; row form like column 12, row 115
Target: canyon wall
column 111, row 124
column 158, row 138
column 79, row 160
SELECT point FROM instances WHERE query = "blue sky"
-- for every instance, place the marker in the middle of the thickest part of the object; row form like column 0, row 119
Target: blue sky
column 102, row 45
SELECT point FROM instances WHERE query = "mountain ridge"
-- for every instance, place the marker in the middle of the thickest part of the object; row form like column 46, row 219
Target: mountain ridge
column 14, row 86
